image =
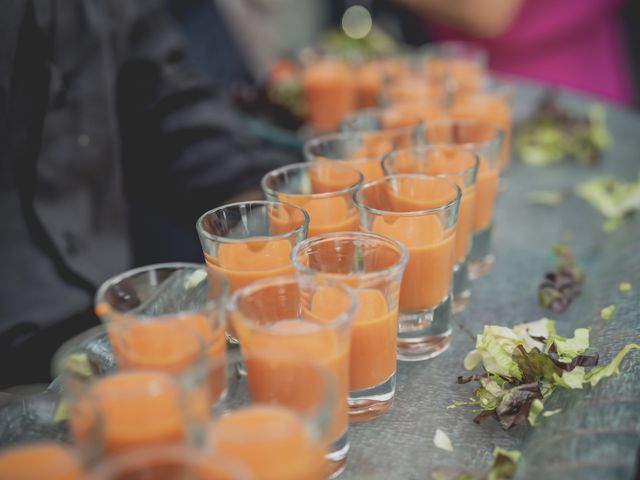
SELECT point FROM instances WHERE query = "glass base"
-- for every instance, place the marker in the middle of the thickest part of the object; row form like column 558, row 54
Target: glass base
column 370, row 403
column 337, row 456
column 461, row 286
column 481, row 258
column 425, row 334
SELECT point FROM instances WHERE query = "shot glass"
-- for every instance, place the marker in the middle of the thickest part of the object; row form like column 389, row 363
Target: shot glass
column 396, row 116
column 329, row 88
column 324, row 190
column 251, row 240
column 374, row 73
column 487, row 141
column 415, row 88
column 461, row 66
column 169, row 462
column 309, row 318
column 41, row 460
column 362, row 151
column 120, row 395
column 421, row 212
column 490, row 105
column 184, row 292
column 460, row 165
column 276, row 416
column 372, row 265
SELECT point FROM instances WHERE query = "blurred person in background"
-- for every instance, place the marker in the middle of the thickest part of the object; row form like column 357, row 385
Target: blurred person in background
column 99, row 112
column 572, row 43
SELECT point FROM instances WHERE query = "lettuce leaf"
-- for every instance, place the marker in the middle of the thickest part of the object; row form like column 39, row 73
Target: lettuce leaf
column 598, row 373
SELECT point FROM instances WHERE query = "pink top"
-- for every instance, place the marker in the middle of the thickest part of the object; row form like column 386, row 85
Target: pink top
column 572, row 43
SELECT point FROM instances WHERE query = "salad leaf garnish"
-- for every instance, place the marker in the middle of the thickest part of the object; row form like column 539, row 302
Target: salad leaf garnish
column 607, row 312
column 523, row 365
column 559, row 288
column 615, row 198
column 624, row 287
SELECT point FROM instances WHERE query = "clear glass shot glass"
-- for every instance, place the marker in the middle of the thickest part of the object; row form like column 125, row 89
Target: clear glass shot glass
column 168, row 462
column 43, row 460
column 330, row 90
column 460, row 165
column 132, row 384
column 248, row 241
column 421, row 212
column 372, row 265
column 487, row 141
column 324, row 190
column 307, row 317
column 276, row 415
column 169, row 292
column 362, row 151
column 461, row 66
column 491, row 104
column 400, row 116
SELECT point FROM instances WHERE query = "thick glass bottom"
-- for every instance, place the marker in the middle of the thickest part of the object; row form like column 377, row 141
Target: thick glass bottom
column 425, row 334
column 370, row 403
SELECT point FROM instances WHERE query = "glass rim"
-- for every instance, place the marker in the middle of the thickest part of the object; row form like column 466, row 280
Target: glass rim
column 376, row 211
column 99, row 298
column 343, row 318
column 345, row 135
column 217, row 238
column 108, row 468
column 379, row 110
column 434, row 147
column 324, row 403
column 496, row 138
column 393, row 269
column 307, row 166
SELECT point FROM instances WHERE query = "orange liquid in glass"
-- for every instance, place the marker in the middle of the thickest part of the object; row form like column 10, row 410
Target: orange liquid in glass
column 373, row 341
column 271, row 441
column 330, row 93
column 125, row 413
column 486, row 192
column 490, row 108
column 39, row 461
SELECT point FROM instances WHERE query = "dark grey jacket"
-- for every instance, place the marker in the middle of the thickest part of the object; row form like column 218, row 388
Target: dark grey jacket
column 97, row 104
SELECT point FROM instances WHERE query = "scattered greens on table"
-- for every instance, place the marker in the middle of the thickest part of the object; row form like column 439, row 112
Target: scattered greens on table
column 503, row 467
column 560, row 287
column 613, row 197
column 553, row 134
column 523, row 365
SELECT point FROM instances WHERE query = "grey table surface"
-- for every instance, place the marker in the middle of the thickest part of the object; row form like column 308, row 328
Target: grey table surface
column 597, row 435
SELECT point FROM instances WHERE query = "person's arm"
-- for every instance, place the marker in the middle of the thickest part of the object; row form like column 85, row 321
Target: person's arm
column 184, row 147
column 481, row 18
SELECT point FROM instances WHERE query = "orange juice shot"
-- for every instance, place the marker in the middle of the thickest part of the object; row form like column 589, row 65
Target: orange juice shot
column 330, row 92
column 307, row 320
column 169, row 462
column 324, row 190
column 159, row 303
column 460, row 165
column 421, row 212
column 362, row 151
column 492, row 106
column 267, row 423
column 372, row 265
column 157, row 391
column 461, row 66
column 487, row 142
column 44, row 460
column 248, row 241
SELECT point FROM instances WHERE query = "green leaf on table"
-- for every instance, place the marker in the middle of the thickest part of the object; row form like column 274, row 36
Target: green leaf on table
column 570, row 347
column 573, row 379
column 607, row 312
column 624, row 287
column 546, row 198
column 598, row 373
column 551, row 413
column 442, row 441
column 536, row 409
column 504, row 464
column 615, row 198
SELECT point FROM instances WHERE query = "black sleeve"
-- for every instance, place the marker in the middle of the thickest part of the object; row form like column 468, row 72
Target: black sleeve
column 184, row 147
